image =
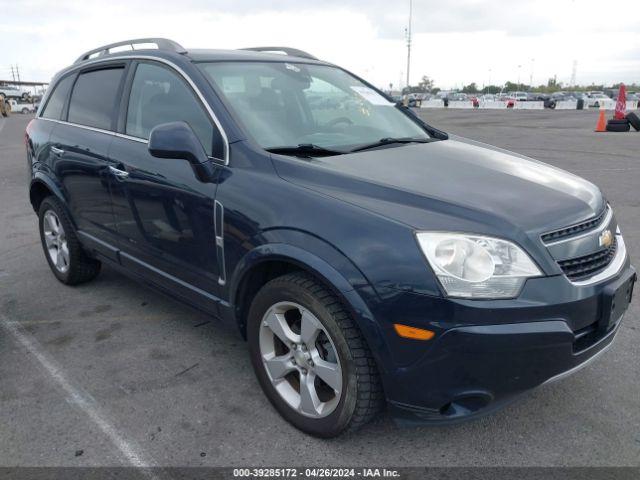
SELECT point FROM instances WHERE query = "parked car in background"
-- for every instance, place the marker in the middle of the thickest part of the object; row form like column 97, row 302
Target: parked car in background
column 596, row 99
column 508, row 98
column 519, row 96
column 11, row 91
column 22, row 107
column 457, row 97
column 563, row 97
column 547, row 100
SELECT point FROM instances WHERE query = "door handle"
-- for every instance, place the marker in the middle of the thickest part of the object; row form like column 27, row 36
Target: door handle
column 57, row 151
column 118, row 173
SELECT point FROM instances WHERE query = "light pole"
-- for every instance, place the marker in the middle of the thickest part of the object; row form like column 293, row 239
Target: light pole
column 408, row 32
column 519, row 67
column 533, row 60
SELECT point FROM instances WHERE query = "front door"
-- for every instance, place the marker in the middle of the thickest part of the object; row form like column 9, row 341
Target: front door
column 165, row 216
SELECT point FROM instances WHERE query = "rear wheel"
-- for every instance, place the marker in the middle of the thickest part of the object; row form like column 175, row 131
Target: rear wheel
column 66, row 258
column 310, row 358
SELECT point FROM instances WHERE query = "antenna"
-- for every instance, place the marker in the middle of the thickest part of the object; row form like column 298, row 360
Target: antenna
column 408, row 33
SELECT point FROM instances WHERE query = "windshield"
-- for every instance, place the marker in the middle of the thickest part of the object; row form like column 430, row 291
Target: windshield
column 292, row 104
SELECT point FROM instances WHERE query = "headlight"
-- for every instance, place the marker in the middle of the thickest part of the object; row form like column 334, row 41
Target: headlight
column 473, row 266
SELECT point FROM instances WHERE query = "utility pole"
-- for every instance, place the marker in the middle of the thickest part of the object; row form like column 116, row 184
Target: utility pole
column 573, row 73
column 18, row 72
column 13, row 75
column 533, row 60
column 408, row 33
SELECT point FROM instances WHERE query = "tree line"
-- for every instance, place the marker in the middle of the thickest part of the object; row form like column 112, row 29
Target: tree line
column 427, row 85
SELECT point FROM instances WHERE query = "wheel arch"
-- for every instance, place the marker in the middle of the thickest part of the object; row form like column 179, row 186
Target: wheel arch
column 41, row 187
column 269, row 261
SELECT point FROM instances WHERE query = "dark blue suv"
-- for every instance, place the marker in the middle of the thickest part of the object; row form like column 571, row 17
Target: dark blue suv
column 368, row 258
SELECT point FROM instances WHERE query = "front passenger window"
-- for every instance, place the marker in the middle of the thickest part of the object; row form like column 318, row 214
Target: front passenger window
column 159, row 96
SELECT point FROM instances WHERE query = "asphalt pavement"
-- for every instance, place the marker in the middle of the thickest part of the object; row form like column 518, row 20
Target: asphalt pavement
column 112, row 373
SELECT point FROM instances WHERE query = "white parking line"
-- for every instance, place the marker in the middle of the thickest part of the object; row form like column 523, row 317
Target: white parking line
column 78, row 397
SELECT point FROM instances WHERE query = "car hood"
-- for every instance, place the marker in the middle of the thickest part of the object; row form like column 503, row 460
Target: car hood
column 457, row 177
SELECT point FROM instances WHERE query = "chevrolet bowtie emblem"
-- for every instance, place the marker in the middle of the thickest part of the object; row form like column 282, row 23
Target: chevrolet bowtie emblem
column 606, row 238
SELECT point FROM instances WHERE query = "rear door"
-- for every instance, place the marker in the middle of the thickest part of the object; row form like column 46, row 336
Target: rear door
column 80, row 146
column 165, row 215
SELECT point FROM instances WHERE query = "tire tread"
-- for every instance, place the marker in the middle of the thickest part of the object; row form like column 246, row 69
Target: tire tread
column 370, row 396
column 83, row 268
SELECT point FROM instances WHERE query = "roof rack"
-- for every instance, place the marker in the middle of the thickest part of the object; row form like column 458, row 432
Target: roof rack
column 286, row 50
column 161, row 44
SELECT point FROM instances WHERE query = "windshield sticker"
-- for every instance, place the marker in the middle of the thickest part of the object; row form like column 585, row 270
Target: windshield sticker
column 233, row 85
column 371, row 96
column 288, row 66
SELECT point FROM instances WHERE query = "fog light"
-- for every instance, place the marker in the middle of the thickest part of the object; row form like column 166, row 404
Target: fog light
column 412, row 332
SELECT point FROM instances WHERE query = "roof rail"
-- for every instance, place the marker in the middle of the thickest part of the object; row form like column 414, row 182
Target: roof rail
column 286, row 50
column 161, row 43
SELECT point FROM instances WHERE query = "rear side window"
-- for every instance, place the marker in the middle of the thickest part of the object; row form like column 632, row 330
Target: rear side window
column 158, row 95
column 58, row 97
column 93, row 99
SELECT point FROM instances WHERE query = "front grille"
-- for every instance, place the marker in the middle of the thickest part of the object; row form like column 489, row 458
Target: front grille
column 583, row 267
column 574, row 229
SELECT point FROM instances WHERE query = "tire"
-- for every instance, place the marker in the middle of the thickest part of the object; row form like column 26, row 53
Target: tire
column 357, row 394
column 634, row 120
column 618, row 127
column 25, row 111
column 25, row 96
column 74, row 266
column 616, row 121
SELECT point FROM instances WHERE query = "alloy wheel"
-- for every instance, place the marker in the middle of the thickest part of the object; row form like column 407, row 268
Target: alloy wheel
column 56, row 241
column 300, row 359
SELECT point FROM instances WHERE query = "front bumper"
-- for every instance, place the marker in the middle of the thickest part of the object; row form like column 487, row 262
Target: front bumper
column 475, row 366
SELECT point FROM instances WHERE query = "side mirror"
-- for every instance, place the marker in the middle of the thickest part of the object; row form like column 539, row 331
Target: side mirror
column 176, row 140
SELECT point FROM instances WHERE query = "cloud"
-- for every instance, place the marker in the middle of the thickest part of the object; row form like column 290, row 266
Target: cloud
column 454, row 42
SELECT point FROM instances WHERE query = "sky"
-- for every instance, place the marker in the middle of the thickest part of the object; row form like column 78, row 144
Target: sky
column 454, row 42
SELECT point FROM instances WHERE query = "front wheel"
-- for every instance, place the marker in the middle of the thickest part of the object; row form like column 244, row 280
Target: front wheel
column 310, row 358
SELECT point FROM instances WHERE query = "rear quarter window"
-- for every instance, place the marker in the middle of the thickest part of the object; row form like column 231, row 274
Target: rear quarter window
column 55, row 104
column 94, row 98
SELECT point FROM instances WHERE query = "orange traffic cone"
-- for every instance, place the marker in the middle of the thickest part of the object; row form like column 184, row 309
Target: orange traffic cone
column 602, row 123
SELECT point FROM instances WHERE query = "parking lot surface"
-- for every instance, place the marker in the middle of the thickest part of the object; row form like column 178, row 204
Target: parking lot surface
column 112, row 373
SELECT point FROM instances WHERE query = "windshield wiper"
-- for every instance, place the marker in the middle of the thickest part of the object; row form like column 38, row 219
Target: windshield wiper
column 390, row 141
column 304, row 150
